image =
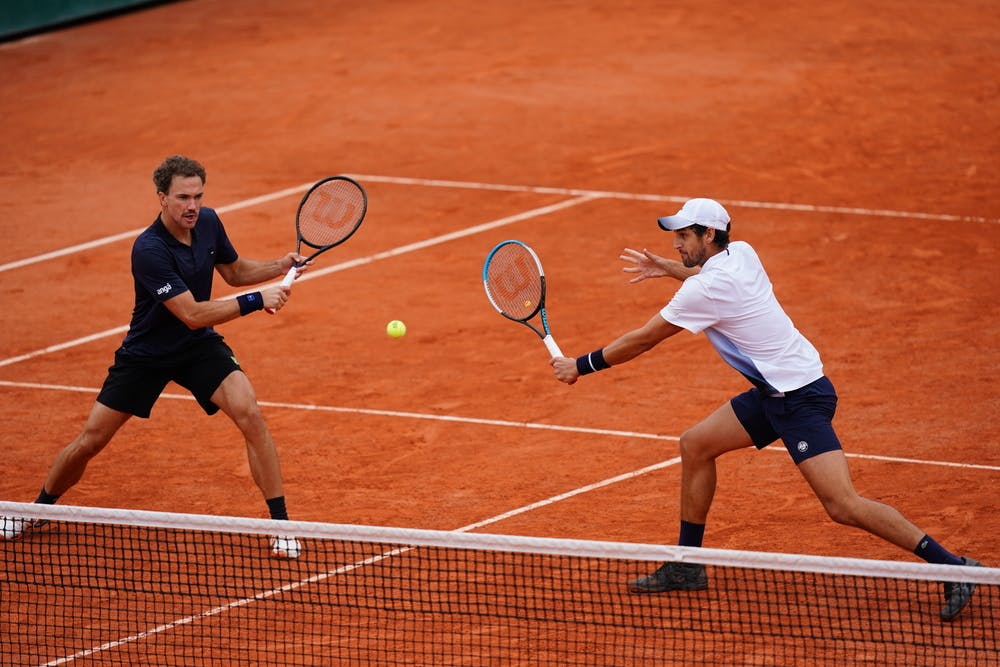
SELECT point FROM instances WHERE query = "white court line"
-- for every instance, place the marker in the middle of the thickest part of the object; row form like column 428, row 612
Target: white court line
column 308, row 407
column 472, row 185
column 62, row 346
column 135, row 232
column 399, row 414
column 569, row 494
column 738, row 203
column 317, row 273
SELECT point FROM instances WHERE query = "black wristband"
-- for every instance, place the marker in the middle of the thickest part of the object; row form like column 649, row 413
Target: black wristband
column 591, row 363
column 250, row 302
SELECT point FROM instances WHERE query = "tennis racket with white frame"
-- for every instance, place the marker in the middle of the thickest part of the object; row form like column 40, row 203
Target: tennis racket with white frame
column 515, row 285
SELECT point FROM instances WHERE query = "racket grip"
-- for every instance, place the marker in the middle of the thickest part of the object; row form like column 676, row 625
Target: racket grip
column 285, row 282
column 553, row 348
column 289, row 277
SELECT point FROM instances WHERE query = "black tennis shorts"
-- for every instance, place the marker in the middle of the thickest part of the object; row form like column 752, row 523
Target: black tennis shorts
column 803, row 418
column 135, row 383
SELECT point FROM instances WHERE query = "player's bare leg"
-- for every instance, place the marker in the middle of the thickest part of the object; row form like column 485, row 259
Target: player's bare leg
column 700, row 445
column 71, row 462
column 69, row 465
column 237, row 399
column 829, row 476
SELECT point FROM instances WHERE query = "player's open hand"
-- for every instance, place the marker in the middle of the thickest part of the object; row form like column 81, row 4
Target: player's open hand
column 565, row 369
column 649, row 265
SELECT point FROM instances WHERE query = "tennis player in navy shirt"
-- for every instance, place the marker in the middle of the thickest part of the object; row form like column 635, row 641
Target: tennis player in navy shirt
column 171, row 338
column 726, row 294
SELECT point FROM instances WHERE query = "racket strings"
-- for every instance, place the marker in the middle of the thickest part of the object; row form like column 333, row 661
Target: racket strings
column 330, row 213
column 514, row 282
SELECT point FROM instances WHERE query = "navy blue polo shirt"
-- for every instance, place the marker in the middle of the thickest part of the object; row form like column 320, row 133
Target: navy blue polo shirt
column 163, row 267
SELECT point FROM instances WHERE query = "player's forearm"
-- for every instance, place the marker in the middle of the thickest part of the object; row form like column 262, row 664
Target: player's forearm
column 245, row 272
column 677, row 270
column 627, row 347
column 200, row 314
column 211, row 313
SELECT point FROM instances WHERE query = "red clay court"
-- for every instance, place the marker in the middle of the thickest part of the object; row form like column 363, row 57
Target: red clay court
column 855, row 145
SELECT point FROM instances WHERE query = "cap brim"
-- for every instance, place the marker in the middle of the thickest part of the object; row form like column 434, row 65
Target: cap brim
column 671, row 223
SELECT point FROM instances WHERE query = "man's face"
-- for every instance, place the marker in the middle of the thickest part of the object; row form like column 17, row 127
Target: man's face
column 693, row 250
column 181, row 204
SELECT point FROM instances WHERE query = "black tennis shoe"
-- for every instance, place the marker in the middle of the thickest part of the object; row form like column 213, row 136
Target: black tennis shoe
column 958, row 594
column 672, row 577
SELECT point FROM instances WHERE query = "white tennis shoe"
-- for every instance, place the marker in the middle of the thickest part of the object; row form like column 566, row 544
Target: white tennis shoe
column 285, row 547
column 12, row 527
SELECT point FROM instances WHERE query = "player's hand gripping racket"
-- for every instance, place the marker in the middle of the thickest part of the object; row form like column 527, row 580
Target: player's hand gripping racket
column 329, row 214
column 515, row 285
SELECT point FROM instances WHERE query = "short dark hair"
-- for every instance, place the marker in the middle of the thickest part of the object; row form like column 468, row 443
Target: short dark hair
column 176, row 165
column 721, row 239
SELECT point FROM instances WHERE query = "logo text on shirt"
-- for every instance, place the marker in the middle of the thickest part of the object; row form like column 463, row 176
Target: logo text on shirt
column 163, row 290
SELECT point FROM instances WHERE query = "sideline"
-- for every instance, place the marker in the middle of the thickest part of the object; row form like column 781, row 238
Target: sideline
column 472, row 185
column 399, row 414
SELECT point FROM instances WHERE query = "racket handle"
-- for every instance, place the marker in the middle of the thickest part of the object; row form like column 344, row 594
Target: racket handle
column 554, row 350
column 285, row 282
column 289, row 277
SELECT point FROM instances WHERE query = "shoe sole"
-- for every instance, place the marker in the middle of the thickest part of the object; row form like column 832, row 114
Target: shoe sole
column 640, row 589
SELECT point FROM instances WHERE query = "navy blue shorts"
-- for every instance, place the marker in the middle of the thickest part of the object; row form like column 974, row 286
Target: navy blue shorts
column 801, row 418
column 134, row 383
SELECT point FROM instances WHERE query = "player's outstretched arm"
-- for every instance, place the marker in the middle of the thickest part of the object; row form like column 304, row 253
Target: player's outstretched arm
column 649, row 265
column 626, row 347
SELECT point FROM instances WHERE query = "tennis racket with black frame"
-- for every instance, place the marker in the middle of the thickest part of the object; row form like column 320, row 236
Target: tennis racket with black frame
column 515, row 285
column 329, row 214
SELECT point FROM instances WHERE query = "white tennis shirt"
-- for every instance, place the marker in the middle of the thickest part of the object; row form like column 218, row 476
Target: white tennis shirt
column 733, row 302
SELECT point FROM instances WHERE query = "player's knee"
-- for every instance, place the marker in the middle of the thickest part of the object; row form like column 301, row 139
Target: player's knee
column 842, row 511
column 691, row 446
column 89, row 443
column 249, row 419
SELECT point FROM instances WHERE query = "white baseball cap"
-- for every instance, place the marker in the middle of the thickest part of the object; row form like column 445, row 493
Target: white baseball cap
column 700, row 211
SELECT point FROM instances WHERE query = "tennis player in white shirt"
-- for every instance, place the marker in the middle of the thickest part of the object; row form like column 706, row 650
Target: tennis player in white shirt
column 727, row 294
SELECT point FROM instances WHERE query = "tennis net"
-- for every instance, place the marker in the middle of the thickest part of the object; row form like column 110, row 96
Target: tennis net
column 105, row 586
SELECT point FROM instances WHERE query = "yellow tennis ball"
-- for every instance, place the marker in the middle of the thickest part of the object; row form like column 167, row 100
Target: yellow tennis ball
column 395, row 329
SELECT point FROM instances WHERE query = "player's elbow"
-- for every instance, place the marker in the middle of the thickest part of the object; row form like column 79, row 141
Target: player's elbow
column 191, row 316
column 230, row 273
column 192, row 322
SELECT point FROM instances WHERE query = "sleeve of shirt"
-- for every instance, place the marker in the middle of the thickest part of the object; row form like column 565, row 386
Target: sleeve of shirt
column 225, row 253
column 154, row 271
column 691, row 308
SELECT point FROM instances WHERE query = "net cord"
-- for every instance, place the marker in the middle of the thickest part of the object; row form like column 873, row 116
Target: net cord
column 508, row 543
